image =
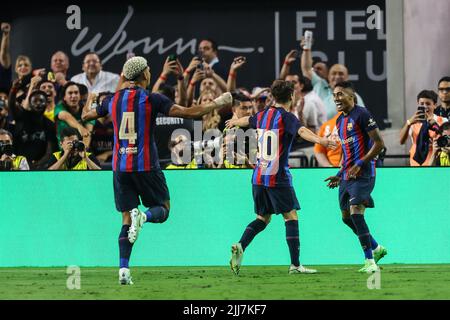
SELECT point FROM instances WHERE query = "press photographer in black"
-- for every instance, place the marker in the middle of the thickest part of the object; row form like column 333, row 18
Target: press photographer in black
column 8, row 160
column 73, row 155
column 441, row 147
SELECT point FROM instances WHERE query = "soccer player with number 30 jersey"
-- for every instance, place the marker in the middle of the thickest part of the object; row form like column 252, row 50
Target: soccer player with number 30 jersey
column 272, row 182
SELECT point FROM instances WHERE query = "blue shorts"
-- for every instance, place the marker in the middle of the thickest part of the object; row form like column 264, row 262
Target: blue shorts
column 132, row 187
column 356, row 192
column 274, row 200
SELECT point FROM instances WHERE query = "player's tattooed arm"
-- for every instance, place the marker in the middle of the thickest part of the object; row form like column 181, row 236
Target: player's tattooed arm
column 378, row 145
column 234, row 122
column 197, row 111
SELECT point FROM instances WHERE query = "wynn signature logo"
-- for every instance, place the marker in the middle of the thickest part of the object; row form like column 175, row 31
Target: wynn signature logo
column 120, row 45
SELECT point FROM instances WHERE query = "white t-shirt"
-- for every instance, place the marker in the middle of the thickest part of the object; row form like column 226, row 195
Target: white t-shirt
column 314, row 112
column 104, row 81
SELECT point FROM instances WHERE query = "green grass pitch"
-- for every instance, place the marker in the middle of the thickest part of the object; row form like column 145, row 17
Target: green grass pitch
column 398, row 281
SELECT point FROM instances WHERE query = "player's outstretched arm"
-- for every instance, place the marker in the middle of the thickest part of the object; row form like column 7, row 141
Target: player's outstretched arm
column 88, row 113
column 234, row 122
column 197, row 111
column 310, row 136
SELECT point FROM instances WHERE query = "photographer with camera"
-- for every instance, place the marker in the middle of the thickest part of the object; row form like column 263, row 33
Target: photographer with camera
column 440, row 155
column 422, row 127
column 177, row 146
column 73, row 155
column 8, row 160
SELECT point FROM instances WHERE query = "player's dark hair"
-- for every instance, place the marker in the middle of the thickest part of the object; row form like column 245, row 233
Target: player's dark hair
column 282, row 90
column 428, row 94
column 446, row 79
column 68, row 132
column 347, row 85
column 239, row 97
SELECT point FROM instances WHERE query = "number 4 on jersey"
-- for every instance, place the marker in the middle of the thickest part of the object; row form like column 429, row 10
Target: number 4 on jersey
column 128, row 123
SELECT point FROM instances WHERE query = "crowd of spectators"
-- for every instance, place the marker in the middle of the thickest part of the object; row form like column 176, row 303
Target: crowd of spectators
column 41, row 126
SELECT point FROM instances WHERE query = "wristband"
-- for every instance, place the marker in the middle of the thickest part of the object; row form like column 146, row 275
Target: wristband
column 286, row 62
column 359, row 163
column 232, row 75
column 163, row 78
column 192, row 84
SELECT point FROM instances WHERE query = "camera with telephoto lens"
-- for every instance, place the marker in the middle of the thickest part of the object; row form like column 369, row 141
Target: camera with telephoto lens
column 8, row 150
column 443, row 141
column 78, row 145
column 2, row 104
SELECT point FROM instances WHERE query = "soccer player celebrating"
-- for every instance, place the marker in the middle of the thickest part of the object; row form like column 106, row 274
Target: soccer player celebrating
column 136, row 171
column 361, row 143
column 272, row 182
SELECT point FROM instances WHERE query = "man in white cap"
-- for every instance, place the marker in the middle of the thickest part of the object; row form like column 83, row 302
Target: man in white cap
column 136, row 171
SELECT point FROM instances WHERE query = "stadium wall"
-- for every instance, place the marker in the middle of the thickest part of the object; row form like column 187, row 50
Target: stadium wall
column 69, row 218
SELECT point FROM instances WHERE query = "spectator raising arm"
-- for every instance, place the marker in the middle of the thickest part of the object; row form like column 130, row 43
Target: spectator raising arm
column 238, row 62
column 5, row 56
column 288, row 60
column 181, row 86
column 168, row 68
column 209, row 73
column 198, row 76
column 306, row 62
column 33, row 86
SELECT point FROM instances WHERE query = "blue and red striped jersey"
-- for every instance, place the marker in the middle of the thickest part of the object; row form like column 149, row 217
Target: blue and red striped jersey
column 133, row 112
column 276, row 129
column 353, row 131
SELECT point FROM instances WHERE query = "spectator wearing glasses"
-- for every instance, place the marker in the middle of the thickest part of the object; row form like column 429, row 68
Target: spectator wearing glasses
column 208, row 50
column 94, row 78
column 443, row 110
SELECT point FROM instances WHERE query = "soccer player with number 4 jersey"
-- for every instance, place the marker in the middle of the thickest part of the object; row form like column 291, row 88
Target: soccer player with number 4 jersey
column 273, row 192
column 361, row 143
column 136, row 173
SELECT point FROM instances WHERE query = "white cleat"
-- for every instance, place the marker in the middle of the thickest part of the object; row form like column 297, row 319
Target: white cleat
column 369, row 267
column 236, row 257
column 138, row 219
column 125, row 276
column 300, row 269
